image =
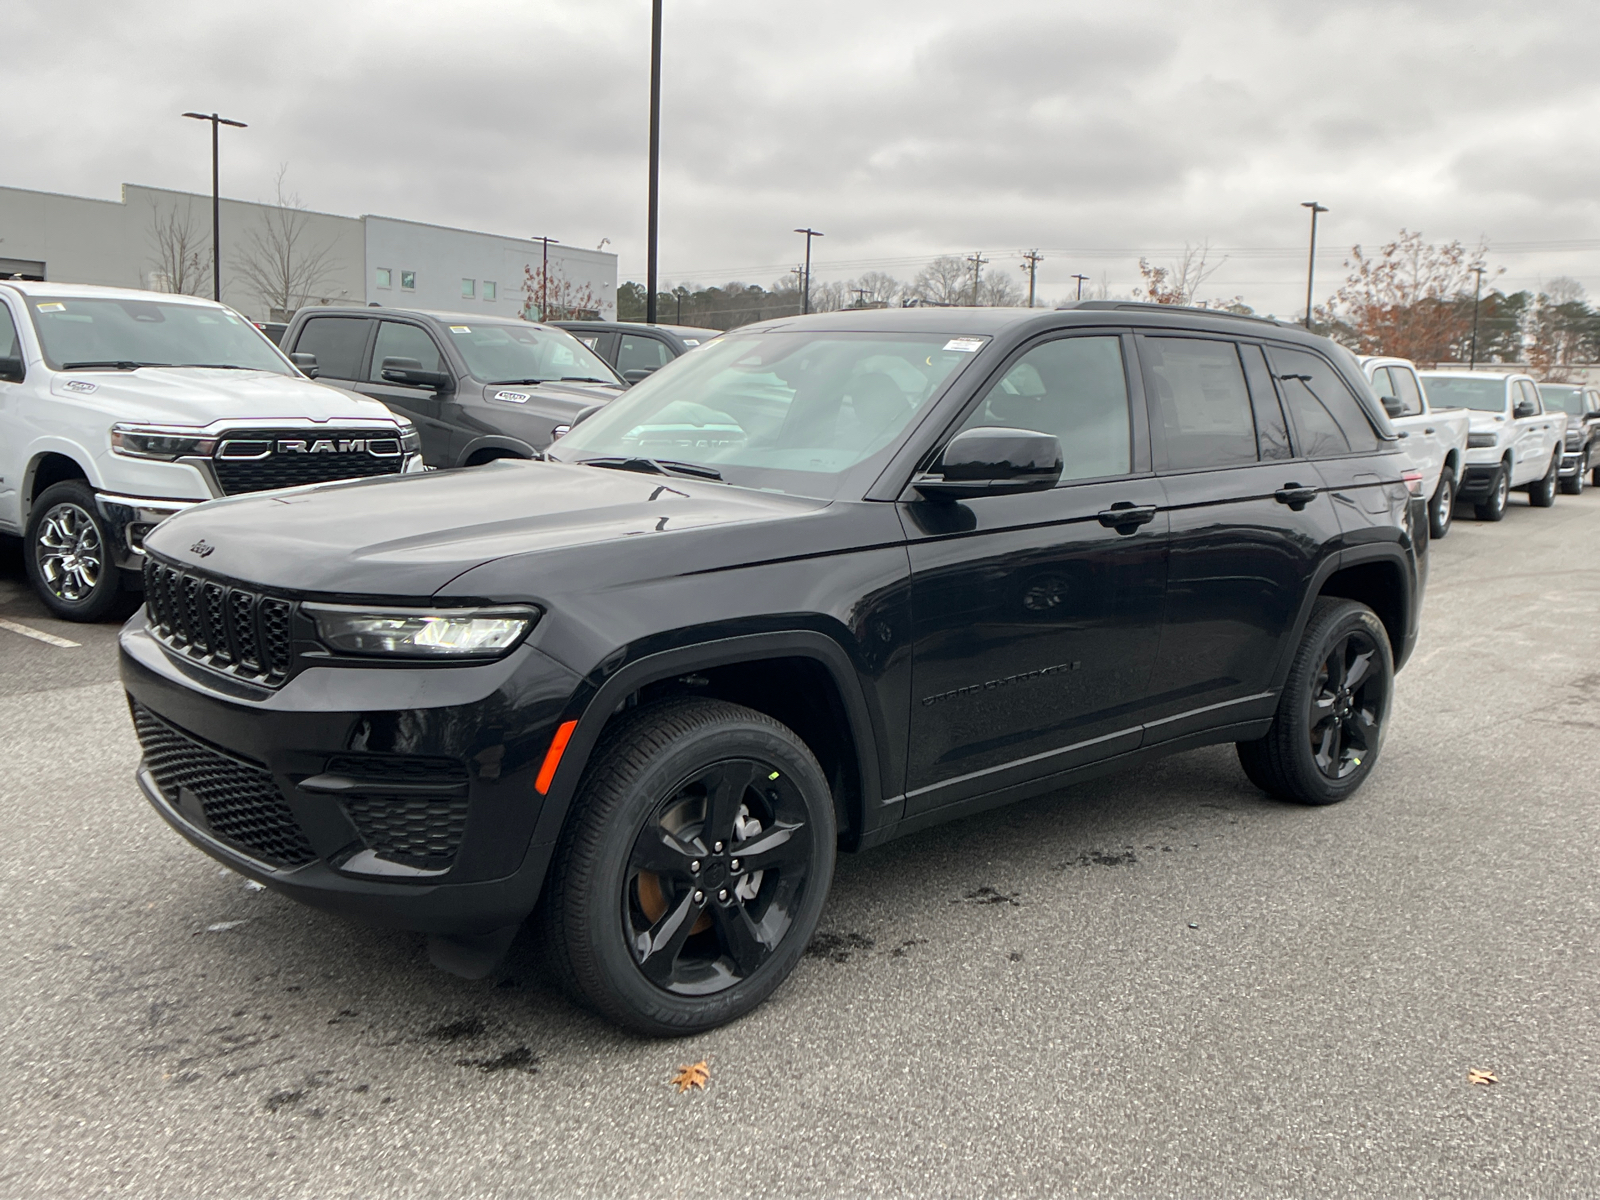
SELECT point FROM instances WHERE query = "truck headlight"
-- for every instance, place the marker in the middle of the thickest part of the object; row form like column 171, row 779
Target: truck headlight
column 157, row 442
column 422, row 632
column 1574, row 438
column 1481, row 441
column 410, row 439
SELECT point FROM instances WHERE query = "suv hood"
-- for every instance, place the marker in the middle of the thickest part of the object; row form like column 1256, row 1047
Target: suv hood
column 408, row 536
column 198, row 396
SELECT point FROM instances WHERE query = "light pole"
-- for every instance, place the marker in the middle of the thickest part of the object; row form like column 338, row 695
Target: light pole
column 977, row 260
column 1311, row 261
column 1477, row 289
column 1030, row 264
column 544, row 277
column 216, row 200
column 805, row 291
column 1080, row 279
column 655, row 162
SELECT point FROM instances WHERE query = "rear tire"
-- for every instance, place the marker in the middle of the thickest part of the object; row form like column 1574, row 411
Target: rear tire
column 1328, row 731
column 1543, row 493
column 1441, row 510
column 654, row 915
column 67, row 554
column 1494, row 507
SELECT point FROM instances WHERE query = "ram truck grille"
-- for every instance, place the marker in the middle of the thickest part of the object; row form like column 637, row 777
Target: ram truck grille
column 258, row 460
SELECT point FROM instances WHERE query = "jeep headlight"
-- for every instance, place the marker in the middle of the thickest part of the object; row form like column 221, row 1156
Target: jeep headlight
column 1482, row 441
column 158, row 442
column 422, row 632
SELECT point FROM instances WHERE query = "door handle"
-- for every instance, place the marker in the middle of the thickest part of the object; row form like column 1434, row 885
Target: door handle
column 1125, row 517
column 1295, row 496
column 1428, row 430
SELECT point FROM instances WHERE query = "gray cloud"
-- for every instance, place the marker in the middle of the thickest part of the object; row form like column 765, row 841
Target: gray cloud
column 903, row 129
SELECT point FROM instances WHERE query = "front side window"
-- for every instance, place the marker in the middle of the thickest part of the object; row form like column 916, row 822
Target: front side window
column 338, row 343
column 1529, row 393
column 1075, row 388
column 383, row 276
column 641, row 354
column 507, row 352
column 99, row 332
column 1327, row 415
column 1460, row 391
column 1201, row 402
column 408, row 281
column 1407, row 391
column 9, row 347
column 1383, row 383
column 810, row 413
column 396, row 340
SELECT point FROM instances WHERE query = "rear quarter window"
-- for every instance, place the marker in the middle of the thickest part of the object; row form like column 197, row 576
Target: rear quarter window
column 1327, row 416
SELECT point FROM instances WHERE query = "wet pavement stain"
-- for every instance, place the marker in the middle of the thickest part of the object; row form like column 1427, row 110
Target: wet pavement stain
column 988, row 895
column 458, row 1030
column 521, row 1059
column 837, row 947
column 900, row 950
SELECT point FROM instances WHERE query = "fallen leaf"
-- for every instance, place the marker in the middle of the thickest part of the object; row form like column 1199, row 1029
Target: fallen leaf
column 1484, row 1077
column 691, row 1076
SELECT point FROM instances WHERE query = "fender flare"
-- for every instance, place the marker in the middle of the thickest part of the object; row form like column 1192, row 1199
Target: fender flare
column 497, row 441
column 1355, row 556
column 64, row 449
column 878, row 813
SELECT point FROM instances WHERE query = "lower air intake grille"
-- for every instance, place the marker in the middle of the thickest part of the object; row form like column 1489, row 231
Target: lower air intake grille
column 242, row 804
column 417, row 831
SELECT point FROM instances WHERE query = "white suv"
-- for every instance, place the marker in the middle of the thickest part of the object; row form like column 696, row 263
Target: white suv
column 119, row 408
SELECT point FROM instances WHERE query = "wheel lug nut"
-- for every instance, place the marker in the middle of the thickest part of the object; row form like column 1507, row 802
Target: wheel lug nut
column 717, row 846
column 694, row 867
column 723, row 894
column 734, row 866
column 699, row 897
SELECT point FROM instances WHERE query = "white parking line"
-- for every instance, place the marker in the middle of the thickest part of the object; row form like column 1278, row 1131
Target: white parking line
column 40, row 635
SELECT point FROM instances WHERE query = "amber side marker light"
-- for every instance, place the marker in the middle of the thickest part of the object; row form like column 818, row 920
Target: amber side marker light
column 552, row 756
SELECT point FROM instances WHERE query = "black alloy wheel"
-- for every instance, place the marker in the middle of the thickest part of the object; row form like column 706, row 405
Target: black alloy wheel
column 1543, row 493
column 1573, row 484
column 1442, row 510
column 693, row 869
column 1328, row 730
column 1493, row 507
column 68, row 557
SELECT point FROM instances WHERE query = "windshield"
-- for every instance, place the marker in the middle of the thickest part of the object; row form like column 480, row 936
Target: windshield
column 1562, row 398
column 78, row 333
column 1455, row 391
column 794, row 412
column 520, row 353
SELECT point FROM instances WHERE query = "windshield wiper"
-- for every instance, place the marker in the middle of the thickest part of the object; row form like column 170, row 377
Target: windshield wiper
column 586, row 379
column 216, row 366
column 503, row 382
column 123, row 364
column 653, row 466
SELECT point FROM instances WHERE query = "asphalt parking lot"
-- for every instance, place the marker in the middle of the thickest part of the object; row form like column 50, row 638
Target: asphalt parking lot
column 1155, row 984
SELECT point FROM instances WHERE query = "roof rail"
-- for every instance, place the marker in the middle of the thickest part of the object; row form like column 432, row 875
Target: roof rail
column 1148, row 306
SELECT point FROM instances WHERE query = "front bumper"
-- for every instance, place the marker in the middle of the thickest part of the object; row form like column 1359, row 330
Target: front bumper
column 1475, row 480
column 1572, row 463
column 399, row 795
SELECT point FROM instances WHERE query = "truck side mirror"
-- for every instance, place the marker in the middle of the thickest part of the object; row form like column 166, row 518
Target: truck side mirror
column 12, row 370
column 635, row 374
column 306, row 362
column 1392, row 406
column 1524, row 408
column 409, row 371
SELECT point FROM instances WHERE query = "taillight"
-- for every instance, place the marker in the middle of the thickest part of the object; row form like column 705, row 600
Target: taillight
column 1413, row 482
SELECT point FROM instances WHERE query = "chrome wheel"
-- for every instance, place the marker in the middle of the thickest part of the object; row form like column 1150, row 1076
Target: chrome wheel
column 69, row 553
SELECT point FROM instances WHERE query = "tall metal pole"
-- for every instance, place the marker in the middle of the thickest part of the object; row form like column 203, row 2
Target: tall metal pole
column 1311, row 261
column 977, row 260
column 544, row 277
column 216, row 199
column 655, row 161
column 1030, row 264
column 1080, row 279
column 805, row 290
column 1477, row 289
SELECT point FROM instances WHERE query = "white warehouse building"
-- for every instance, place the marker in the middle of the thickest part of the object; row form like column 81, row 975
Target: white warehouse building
column 277, row 258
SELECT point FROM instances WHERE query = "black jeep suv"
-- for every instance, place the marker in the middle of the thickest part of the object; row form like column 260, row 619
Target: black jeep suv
column 821, row 583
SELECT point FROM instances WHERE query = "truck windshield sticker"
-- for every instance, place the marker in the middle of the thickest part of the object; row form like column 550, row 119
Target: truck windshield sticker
column 52, row 307
column 461, row 329
column 964, row 345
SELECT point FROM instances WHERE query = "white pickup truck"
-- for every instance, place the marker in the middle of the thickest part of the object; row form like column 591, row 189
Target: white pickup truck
column 1435, row 434
column 119, row 408
column 1514, row 442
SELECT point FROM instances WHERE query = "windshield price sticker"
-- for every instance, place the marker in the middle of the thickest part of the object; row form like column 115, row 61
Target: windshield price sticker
column 461, row 329
column 52, row 307
column 512, row 397
column 964, row 345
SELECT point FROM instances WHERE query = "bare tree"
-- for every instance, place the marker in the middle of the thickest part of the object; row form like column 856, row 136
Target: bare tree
column 1000, row 291
column 877, row 289
column 1180, row 283
column 280, row 262
column 947, row 280
column 829, row 297
column 180, row 253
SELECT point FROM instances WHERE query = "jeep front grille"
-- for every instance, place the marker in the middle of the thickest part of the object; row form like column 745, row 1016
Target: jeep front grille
column 232, row 629
column 258, row 460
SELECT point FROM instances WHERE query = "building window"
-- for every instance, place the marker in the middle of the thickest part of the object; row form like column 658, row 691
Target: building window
column 469, row 288
column 408, row 281
column 383, row 277
column 488, row 289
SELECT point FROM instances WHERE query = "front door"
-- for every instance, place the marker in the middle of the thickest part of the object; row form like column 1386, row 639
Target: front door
column 432, row 414
column 1036, row 616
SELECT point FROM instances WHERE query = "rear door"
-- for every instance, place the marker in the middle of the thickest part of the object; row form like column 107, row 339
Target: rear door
column 1036, row 617
column 1249, row 525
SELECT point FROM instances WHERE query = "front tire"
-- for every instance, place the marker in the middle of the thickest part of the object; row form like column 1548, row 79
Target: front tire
column 1543, row 493
column 1494, row 507
column 68, row 554
column 1442, row 509
column 1332, row 714
column 694, row 869
column 1574, row 485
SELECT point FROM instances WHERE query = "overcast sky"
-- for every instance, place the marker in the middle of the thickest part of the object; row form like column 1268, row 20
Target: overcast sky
column 902, row 129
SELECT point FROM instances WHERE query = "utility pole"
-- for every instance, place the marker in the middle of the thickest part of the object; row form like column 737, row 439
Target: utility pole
column 544, row 277
column 977, row 260
column 1080, row 279
column 861, row 296
column 655, row 163
column 1030, row 264
column 216, row 200
column 1311, row 261
column 805, row 293
column 1477, row 290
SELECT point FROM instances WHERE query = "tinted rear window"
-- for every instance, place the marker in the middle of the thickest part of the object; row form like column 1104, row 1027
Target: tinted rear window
column 1202, row 403
column 1326, row 413
column 338, row 343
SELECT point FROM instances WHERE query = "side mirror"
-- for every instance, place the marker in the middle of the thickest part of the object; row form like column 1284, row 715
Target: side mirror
column 409, row 371
column 585, row 415
column 1392, row 406
column 638, row 373
column 12, row 370
column 306, row 362
column 993, row 461
column 1524, row 408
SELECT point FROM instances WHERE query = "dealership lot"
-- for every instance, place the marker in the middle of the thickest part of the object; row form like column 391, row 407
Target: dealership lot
column 1158, row 983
